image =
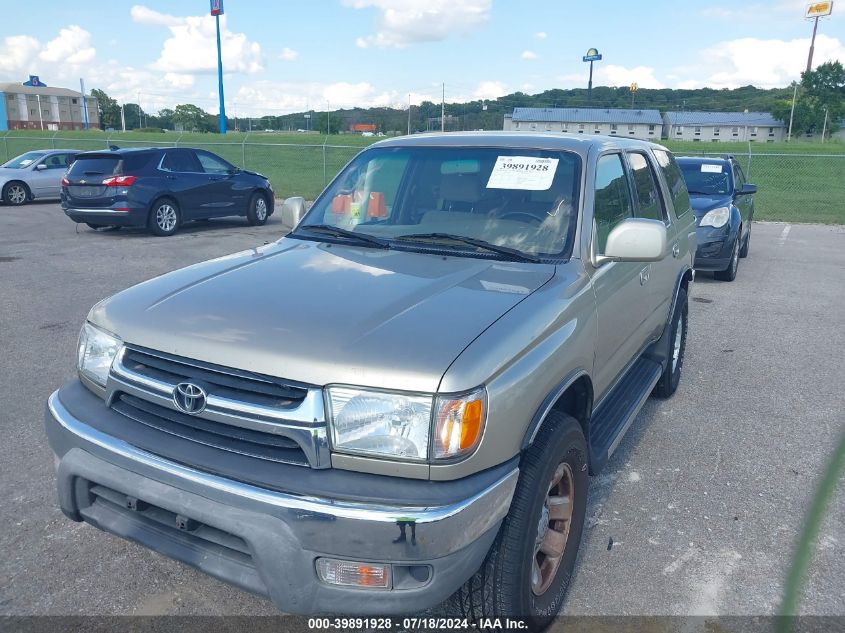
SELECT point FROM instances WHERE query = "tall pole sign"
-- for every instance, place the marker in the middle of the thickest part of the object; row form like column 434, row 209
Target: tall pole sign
column 816, row 10
column 592, row 56
column 217, row 11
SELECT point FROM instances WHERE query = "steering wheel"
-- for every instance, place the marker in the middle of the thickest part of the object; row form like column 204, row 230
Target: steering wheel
column 522, row 216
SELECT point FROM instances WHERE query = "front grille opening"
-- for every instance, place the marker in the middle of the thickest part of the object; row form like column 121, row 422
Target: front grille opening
column 228, row 383
column 234, row 439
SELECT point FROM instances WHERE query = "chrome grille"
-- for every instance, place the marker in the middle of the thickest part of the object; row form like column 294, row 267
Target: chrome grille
column 248, row 414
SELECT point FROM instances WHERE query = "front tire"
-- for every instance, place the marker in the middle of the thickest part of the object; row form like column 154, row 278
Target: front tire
column 164, row 218
column 257, row 213
column 729, row 274
column 746, row 244
column 529, row 567
column 668, row 383
column 15, row 194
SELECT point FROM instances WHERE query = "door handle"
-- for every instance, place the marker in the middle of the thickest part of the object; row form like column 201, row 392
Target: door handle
column 676, row 251
column 645, row 274
column 171, row 177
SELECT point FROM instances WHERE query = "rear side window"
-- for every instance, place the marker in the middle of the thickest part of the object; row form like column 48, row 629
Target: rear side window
column 94, row 166
column 136, row 162
column 649, row 202
column 181, row 160
column 675, row 180
column 613, row 197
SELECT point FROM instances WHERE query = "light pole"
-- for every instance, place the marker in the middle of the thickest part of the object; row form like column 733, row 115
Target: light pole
column 40, row 117
column 592, row 55
column 217, row 11
column 816, row 10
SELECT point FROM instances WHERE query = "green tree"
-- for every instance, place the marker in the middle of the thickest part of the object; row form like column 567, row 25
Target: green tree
column 190, row 118
column 108, row 108
column 824, row 88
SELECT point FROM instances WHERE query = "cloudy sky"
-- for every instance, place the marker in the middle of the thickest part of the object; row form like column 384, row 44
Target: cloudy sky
column 285, row 56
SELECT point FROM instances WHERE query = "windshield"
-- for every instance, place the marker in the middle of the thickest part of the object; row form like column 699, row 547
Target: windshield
column 94, row 166
column 24, row 160
column 493, row 202
column 711, row 179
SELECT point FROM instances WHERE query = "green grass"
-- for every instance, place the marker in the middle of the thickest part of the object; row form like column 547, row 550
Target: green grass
column 793, row 187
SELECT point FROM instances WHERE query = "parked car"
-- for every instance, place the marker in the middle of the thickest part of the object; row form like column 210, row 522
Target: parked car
column 34, row 175
column 403, row 398
column 724, row 208
column 161, row 189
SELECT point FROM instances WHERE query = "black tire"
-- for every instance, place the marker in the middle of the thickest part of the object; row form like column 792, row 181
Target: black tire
column 16, row 193
column 258, row 210
column 746, row 244
column 729, row 274
column 165, row 217
column 503, row 587
column 671, row 376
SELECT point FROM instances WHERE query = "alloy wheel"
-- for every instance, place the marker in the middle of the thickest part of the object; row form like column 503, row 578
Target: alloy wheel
column 260, row 209
column 166, row 218
column 553, row 529
column 16, row 194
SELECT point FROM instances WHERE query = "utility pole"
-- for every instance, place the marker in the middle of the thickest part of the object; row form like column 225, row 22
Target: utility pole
column 443, row 110
column 328, row 120
column 217, row 11
column 123, row 116
column 84, row 104
column 824, row 126
column 791, row 113
column 409, row 114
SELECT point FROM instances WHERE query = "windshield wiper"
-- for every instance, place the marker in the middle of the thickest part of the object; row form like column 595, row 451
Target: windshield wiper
column 705, row 193
column 445, row 237
column 334, row 231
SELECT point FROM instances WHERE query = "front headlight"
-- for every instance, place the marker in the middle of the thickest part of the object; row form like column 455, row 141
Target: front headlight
column 96, row 353
column 399, row 425
column 380, row 423
column 716, row 217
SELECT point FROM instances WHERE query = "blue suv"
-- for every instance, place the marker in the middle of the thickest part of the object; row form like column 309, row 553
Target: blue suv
column 723, row 204
column 160, row 189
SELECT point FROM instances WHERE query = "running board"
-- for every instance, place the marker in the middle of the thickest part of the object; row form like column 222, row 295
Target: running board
column 619, row 409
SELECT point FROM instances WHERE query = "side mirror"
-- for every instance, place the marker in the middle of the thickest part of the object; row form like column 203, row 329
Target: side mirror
column 633, row 240
column 747, row 189
column 293, row 210
column 41, row 167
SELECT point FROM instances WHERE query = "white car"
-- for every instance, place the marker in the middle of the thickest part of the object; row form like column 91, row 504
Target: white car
column 34, row 175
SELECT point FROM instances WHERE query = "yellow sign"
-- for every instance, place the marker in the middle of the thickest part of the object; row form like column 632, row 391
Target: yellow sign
column 819, row 9
column 634, row 87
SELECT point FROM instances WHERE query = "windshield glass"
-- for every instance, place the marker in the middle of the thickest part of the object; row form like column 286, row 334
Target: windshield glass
column 711, row 179
column 94, row 166
column 23, row 161
column 523, row 200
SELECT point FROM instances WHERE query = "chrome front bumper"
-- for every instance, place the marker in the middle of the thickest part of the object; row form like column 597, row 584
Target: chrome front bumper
column 283, row 533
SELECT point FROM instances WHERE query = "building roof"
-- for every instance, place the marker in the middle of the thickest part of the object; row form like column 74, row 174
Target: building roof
column 587, row 115
column 19, row 88
column 723, row 118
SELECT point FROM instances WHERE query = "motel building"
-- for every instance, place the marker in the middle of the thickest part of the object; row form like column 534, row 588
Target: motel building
column 33, row 106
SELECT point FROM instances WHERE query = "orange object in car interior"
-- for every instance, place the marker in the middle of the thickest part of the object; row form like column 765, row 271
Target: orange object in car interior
column 340, row 203
column 376, row 207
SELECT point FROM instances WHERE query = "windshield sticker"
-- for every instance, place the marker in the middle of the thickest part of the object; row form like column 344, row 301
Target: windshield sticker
column 523, row 172
column 711, row 169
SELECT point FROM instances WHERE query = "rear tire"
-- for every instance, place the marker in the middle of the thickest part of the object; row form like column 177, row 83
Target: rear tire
column 15, row 194
column 671, row 376
column 729, row 274
column 164, row 217
column 529, row 567
column 258, row 212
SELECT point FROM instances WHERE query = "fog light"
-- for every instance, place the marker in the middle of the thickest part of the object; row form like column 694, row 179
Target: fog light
column 351, row 574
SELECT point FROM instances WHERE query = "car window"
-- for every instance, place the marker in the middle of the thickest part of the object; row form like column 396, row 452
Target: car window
column 56, row 161
column 707, row 178
column 23, row 161
column 649, row 200
column 180, row 160
column 136, row 161
column 524, row 199
column 212, row 164
column 88, row 166
column 739, row 177
column 613, row 197
column 675, row 179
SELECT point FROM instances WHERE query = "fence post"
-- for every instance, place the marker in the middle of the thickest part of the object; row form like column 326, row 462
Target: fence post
column 243, row 151
column 53, row 139
column 108, row 140
column 748, row 175
column 178, row 139
column 324, row 163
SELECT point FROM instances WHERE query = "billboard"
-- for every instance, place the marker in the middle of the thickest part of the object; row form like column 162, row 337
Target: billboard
column 819, row 9
column 216, row 7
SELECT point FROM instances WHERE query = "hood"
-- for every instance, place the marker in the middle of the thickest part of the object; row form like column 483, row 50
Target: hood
column 323, row 313
column 701, row 203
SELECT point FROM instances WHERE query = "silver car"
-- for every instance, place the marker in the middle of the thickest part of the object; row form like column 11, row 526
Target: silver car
column 34, row 175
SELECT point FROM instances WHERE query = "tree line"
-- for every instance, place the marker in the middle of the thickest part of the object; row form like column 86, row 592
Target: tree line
column 820, row 94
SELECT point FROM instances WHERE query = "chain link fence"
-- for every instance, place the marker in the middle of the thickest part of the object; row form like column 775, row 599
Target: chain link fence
column 792, row 187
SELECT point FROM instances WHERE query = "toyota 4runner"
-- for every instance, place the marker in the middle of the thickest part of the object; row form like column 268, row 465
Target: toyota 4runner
column 400, row 401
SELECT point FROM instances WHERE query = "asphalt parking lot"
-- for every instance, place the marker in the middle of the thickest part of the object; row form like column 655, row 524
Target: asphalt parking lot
column 697, row 512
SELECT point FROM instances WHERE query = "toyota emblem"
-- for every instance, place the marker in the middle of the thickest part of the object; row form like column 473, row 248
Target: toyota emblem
column 189, row 397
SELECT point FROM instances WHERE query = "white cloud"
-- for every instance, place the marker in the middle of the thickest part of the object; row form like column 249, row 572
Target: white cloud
column 17, row 53
column 643, row 76
column 288, row 54
column 192, row 47
column 404, row 22
column 528, row 55
column 541, row 35
column 490, row 90
column 72, row 46
column 762, row 63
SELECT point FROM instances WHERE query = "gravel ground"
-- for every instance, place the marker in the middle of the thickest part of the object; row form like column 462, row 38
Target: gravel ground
column 697, row 512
